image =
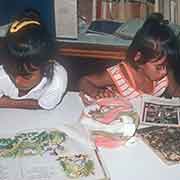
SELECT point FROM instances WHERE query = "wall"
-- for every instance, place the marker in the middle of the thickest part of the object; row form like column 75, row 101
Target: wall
column 12, row 8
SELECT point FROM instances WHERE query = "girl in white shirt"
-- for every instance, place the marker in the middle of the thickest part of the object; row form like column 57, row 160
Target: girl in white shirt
column 28, row 78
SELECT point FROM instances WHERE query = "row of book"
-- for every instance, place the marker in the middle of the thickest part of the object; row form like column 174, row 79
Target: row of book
column 122, row 11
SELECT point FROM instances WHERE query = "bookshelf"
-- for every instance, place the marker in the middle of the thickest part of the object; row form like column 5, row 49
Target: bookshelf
column 123, row 10
column 170, row 9
column 115, row 10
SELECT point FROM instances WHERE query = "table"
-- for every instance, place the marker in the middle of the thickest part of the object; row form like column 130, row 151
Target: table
column 134, row 162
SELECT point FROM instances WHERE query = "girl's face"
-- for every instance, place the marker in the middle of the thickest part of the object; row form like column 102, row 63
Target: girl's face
column 26, row 82
column 155, row 69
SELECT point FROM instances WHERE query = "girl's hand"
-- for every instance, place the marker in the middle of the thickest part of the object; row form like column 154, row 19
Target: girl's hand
column 102, row 93
column 106, row 93
column 87, row 100
column 99, row 94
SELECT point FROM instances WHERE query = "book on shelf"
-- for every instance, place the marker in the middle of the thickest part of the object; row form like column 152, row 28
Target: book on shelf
column 123, row 10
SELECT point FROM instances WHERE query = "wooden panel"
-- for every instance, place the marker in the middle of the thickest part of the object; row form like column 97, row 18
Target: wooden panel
column 94, row 51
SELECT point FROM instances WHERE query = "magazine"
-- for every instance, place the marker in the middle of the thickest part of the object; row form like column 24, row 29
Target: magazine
column 48, row 154
column 160, row 111
column 164, row 141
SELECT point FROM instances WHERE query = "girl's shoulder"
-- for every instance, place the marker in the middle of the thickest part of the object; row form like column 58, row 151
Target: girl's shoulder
column 59, row 69
column 114, row 69
column 163, row 81
column 3, row 72
column 59, row 75
column 160, row 86
column 117, row 66
column 1, row 68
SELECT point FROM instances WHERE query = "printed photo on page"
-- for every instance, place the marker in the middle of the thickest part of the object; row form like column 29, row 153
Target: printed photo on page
column 161, row 112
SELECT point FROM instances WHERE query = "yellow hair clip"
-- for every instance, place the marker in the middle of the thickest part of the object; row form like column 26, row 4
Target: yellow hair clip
column 18, row 25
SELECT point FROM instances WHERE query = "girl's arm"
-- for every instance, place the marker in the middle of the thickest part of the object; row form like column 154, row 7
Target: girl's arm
column 6, row 102
column 173, row 86
column 94, row 83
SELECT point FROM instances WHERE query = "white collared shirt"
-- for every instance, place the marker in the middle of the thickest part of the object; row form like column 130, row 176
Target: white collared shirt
column 48, row 94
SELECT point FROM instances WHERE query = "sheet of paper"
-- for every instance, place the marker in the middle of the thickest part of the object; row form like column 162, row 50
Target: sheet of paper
column 66, row 20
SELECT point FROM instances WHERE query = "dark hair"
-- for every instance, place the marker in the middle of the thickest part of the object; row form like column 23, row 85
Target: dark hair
column 30, row 45
column 29, row 13
column 154, row 40
column 175, row 64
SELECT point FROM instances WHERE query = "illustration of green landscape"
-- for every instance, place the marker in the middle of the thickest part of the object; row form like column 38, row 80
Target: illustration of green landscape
column 38, row 143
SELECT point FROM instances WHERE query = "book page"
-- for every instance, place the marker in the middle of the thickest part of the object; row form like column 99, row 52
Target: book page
column 48, row 154
column 41, row 168
column 9, row 169
column 164, row 141
column 160, row 111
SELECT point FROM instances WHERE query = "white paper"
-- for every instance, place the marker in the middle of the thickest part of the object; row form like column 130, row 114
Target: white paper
column 66, row 20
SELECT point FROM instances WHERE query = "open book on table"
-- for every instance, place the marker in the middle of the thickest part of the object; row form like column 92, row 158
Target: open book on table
column 48, row 154
column 162, row 134
column 160, row 111
column 164, row 141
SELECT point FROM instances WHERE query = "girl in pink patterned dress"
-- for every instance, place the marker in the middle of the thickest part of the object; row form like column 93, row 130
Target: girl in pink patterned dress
column 144, row 70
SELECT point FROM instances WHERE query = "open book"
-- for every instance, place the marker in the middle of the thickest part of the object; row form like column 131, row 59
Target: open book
column 48, row 154
column 160, row 111
column 164, row 141
column 163, row 135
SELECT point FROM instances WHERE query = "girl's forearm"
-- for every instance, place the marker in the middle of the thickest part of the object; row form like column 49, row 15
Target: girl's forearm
column 87, row 87
column 6, row 102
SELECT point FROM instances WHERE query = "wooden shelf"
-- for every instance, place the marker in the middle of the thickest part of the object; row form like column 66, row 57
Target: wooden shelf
column 100, row 52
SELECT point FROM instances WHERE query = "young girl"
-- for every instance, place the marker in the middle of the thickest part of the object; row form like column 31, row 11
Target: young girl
column 28, row 78
column 173, row 89
column 144, row 70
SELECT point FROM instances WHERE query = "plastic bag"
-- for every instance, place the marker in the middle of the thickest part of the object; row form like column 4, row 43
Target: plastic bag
column 111, row 121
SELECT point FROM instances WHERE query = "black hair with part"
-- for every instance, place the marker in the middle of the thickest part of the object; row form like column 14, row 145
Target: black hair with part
column 175, row 64
column 29, row 45
column 153, row 40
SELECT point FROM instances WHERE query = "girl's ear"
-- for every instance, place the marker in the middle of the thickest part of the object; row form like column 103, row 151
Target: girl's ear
column 138, row 56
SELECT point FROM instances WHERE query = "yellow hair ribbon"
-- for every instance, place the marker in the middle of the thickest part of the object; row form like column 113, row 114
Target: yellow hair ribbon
column 13, row 26
column 18, row 25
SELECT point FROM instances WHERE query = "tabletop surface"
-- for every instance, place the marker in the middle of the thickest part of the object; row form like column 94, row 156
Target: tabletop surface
column 135, row 161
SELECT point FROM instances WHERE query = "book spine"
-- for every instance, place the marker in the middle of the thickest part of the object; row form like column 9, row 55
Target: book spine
column 94, row 10
column 98, row 9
